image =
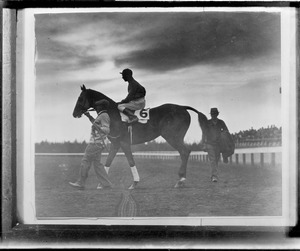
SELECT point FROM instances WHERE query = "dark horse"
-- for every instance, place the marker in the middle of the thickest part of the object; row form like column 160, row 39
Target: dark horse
column 169, row 121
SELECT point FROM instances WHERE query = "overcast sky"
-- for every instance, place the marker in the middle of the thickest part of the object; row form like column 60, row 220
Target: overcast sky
column 228, row 60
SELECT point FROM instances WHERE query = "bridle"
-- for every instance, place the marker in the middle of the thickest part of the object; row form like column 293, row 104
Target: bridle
column 84, row 104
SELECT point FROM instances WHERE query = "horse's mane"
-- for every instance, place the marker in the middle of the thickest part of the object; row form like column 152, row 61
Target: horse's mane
column 95, row 95
column 112, row 110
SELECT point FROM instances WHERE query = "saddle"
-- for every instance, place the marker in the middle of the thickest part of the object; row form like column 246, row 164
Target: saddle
column 143, row 116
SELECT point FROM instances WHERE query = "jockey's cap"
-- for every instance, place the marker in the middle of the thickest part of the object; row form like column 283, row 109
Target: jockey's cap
column 103, row 103
column 126, row 72
column 214, row 111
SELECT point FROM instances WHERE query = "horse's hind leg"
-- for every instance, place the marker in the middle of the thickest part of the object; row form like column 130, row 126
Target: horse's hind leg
column 184, row 155
column 178, row 144
column 173, row 131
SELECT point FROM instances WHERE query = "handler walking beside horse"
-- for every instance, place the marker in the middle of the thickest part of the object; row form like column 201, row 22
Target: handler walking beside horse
column 135, row 99
column 100, row 129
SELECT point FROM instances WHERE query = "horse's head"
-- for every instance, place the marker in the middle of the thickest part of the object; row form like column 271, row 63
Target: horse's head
column 82, row 104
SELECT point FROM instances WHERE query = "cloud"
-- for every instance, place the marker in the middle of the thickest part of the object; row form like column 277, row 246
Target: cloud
column 195, row 38
column 63, row 43
column 158, row 41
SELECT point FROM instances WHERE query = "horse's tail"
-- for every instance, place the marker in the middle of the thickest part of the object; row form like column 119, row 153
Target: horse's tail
column 202, row 119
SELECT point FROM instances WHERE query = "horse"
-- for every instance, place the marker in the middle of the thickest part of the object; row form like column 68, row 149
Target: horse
column 170, row 121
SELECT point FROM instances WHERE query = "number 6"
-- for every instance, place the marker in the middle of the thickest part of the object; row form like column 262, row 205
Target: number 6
column 143, row 113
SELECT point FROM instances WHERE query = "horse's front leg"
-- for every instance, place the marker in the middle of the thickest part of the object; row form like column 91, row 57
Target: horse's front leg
column 126, row 147
column 115, row 146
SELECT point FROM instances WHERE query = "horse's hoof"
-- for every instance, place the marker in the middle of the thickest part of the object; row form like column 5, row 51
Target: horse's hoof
column 133, row 185
column 179, row 184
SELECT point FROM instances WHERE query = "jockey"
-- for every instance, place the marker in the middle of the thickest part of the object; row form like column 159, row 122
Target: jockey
column 135, row 99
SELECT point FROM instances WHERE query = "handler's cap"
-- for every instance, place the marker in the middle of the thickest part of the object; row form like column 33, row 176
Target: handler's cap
column 214, row 111
column 103, row 103
column 126, row 72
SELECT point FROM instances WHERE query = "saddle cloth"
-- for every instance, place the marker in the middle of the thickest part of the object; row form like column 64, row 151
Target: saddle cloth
column 143, row 115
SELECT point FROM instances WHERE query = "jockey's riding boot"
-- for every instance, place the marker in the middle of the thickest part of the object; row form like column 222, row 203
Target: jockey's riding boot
column 131, row 116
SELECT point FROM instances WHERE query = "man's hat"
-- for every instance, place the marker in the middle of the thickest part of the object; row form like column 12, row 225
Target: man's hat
column 103, row 102
column 126, row 72
column 214, row 111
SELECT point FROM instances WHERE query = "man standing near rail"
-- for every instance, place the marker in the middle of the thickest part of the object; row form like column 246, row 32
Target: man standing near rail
column 213, row 141
column 100, row 129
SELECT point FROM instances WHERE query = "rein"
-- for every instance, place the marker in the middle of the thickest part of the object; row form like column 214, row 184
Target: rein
column 113, row 137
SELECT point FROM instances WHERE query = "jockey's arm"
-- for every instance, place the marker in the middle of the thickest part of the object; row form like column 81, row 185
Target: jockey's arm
column 127, row 99
column 131, row 94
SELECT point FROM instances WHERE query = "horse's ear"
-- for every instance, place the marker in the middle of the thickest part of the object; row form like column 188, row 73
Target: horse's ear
column 83, row 88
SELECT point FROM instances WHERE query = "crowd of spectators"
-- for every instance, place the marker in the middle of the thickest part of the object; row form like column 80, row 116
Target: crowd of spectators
column 271, row 134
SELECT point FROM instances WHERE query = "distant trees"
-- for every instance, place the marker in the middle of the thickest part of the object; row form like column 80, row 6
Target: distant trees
column 79, row 147
column 247, row 138
column 62, row 147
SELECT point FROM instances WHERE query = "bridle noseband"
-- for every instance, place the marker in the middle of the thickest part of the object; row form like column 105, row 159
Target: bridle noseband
column 83, row 106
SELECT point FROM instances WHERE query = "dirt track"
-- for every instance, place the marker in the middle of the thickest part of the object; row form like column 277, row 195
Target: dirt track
column 241, row 190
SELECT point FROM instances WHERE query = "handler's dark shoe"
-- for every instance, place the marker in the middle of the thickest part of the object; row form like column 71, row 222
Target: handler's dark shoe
column 214, row 178
column 76, row 185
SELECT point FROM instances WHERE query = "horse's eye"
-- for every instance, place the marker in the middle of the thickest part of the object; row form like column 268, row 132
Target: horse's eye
column 80, row 99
